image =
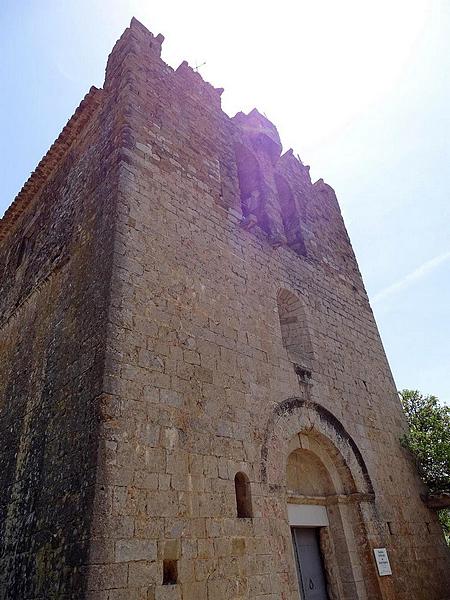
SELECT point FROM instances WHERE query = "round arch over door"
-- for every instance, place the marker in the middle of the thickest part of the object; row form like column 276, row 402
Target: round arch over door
column 308, row 455
column 296, row 415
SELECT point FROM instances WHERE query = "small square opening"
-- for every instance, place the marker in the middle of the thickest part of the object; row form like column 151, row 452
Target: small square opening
column 170, row 572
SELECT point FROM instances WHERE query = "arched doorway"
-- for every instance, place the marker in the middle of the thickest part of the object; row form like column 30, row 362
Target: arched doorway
column 307, row 480
column 327, row 493
column 325, row 523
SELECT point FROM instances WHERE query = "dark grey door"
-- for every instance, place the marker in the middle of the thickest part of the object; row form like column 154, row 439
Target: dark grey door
column 309, row 563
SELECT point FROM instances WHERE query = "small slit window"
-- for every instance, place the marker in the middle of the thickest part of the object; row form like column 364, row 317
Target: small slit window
column 22, row 251
column 243, row 496
column 170, row 572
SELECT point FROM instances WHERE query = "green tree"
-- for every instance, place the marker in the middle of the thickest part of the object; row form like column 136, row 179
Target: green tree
column 428, row 439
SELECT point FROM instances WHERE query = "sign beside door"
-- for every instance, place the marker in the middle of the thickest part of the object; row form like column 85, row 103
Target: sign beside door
column 382, row 559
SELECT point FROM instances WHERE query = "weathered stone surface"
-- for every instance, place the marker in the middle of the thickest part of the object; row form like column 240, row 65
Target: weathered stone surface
column 180, row 304
column 135, row 549
column 55, row 261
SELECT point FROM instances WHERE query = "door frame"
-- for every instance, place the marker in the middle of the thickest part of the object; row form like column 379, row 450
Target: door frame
column 299, row 562
column 312, row 516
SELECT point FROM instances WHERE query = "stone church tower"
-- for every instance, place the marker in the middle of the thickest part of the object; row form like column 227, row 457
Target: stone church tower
column 195, row 403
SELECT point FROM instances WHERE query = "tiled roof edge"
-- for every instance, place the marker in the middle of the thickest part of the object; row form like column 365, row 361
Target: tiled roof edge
column 48, row 163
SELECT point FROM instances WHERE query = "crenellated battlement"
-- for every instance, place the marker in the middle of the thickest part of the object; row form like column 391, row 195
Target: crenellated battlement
column 247, row 171
column 190, row 372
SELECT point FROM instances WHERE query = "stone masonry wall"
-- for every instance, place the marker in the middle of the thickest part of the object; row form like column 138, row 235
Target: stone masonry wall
column 197, row 377
column 55, row 267
column 144, row 271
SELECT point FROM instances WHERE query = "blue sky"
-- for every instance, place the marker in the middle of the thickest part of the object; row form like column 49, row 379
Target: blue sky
column 359, row 89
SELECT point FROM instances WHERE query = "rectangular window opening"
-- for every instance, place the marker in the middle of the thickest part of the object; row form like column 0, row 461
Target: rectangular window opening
column 170, row 572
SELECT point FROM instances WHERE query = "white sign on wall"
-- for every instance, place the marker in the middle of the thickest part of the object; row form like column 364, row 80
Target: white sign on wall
column 381, row 556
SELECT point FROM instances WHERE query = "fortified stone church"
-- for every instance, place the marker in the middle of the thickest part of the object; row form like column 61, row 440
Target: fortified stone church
column 195, row 401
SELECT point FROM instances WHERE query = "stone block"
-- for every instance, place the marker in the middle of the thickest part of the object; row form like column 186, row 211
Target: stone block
column 135, row 549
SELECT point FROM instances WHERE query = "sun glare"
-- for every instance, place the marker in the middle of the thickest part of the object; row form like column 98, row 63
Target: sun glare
column 322, row 62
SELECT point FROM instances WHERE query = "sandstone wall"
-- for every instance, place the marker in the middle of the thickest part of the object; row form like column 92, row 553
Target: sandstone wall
column 55, row 265
column 178, row 303
column 199, row 385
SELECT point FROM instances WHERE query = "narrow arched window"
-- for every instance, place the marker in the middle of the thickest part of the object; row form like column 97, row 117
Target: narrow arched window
column 23, row 250
column 294, row 329
column 251, row 188
column 243, row 496
column 290, row 215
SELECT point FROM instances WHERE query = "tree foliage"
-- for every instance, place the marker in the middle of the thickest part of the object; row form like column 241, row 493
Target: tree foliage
column 428, row 439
